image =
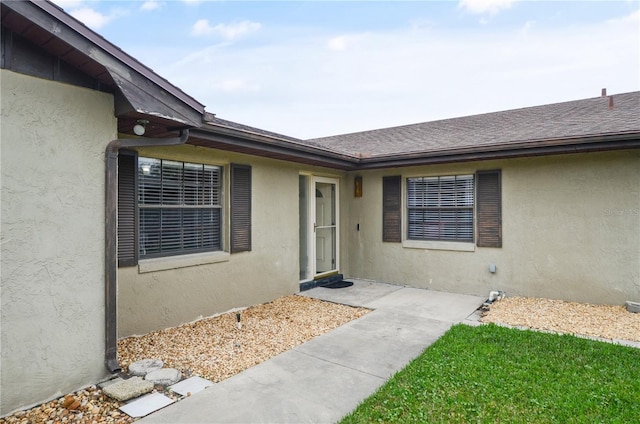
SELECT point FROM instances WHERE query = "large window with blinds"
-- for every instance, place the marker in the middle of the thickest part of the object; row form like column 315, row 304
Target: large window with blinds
column 179, row 207
column 440, row 208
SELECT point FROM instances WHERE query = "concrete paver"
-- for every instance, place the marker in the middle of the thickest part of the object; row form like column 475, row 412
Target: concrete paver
column 324, row 379
column 123, row 390
column 190, row 386
column 146, row 405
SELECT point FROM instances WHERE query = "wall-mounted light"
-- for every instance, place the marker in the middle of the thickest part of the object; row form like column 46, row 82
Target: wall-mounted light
column 140, row 127
column 357, row 186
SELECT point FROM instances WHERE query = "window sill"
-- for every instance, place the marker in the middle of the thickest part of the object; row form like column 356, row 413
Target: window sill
column 182, row 261
column 455, row 246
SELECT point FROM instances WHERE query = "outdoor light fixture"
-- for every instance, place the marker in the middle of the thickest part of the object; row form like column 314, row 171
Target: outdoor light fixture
column 357, row 186
column 140, row 127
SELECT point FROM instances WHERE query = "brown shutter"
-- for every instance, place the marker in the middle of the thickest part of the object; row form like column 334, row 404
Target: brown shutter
column 240, row 208
column 489, row 208
column 392, row 209
column 127, row 209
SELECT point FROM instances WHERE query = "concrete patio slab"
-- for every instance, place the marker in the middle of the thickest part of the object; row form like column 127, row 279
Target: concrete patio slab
column 359, row 294
column 432, row 304
column 380, row 343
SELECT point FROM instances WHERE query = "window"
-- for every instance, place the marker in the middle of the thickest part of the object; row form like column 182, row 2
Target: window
column 180, row 207
column 168, row 208
column 440, row 208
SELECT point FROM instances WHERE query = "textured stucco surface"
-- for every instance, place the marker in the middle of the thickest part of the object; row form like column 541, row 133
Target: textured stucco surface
column 571, row 230
column 155, row 300
column 52, row 177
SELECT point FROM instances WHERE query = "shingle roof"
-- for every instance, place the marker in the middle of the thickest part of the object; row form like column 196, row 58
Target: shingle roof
column 214, row 120
column 575, row 119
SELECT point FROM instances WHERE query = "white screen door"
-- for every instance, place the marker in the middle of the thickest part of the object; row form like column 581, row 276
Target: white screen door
column 319, row 226
column 326, row 225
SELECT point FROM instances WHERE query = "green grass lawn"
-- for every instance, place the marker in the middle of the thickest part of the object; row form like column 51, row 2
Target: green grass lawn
column 491, row 374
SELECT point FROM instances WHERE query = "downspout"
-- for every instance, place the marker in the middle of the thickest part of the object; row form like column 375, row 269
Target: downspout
column 111, row 229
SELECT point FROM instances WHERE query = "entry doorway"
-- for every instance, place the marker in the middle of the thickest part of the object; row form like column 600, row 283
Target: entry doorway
column 319, row 226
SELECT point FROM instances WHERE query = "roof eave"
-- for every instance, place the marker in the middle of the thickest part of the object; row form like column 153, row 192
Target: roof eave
column 229, row 139
column 567, row 145
column 146, row 93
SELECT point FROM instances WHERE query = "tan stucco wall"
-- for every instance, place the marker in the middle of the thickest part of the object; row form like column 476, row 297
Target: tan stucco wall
column 52, row 266
column 571, row 230
column 150, row 301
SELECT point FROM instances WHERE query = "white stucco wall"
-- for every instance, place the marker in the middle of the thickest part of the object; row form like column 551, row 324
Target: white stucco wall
column 149, row 301
column 52, row 237
column 571, row 230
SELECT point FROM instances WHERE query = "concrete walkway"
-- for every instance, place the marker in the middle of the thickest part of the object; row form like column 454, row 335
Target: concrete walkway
column 324, row 379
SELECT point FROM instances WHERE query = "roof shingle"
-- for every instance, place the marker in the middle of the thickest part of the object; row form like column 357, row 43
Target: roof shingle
column 574, row 119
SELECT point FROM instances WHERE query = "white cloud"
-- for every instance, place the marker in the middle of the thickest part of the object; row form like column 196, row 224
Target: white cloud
column 632, row 18
column 343, row 42
column 527, row 27
column 150, row 5
column 485, row 6
column 231, row 31
column 202, row 27
column 88, row 15
column 91, row 17
column 236, row 85
column 192, row 2
column 68, row 4
column 337, row 43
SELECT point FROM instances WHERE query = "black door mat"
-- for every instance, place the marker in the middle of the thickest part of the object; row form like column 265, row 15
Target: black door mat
column 338, row 284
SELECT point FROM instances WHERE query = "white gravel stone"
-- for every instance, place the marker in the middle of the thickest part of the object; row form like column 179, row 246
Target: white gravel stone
column 145, row 366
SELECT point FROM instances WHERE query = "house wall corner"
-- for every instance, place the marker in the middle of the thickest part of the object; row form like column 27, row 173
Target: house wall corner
column 52, row 237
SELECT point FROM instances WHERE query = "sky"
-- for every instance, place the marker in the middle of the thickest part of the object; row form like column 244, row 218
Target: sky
column 311, row 69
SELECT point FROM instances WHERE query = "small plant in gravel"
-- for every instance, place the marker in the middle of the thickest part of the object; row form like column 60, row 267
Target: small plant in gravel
column 494, row 374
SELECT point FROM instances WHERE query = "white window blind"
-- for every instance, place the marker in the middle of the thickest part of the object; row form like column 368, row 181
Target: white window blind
column 440, row 208
column 180, row 207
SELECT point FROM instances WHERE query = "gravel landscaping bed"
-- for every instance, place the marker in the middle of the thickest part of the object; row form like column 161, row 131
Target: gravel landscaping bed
column 213, row 348
column 604, row 321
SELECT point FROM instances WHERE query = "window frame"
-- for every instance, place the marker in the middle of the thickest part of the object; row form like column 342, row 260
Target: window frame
column 176, row 202
column 443, row 203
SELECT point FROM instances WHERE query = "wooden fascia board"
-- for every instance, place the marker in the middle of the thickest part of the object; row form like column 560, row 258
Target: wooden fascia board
column 234, row 140
column 226, row 139
column 128, row 73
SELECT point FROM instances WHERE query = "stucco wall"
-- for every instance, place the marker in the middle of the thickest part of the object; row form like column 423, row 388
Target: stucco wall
column 52, row 177
column 150, row 301
column 571, row 230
